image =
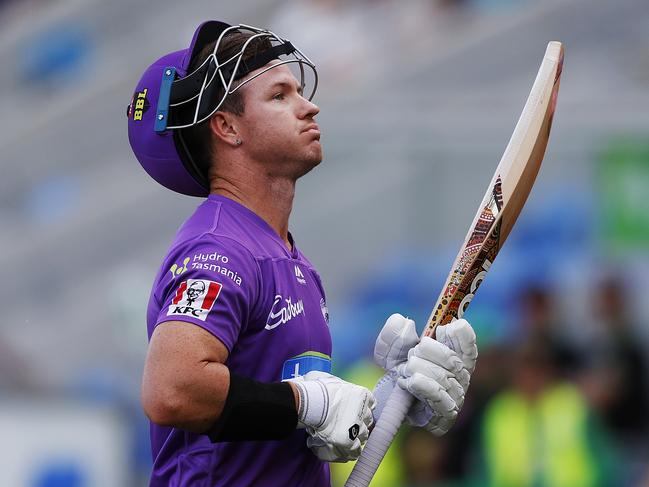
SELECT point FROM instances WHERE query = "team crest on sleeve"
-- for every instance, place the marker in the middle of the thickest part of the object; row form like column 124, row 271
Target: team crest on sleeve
column 195, row 298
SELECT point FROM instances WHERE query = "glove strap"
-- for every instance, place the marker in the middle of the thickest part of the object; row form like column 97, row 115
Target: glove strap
column 314, row 403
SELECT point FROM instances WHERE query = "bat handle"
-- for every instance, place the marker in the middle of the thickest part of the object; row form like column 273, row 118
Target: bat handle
column 377, row 445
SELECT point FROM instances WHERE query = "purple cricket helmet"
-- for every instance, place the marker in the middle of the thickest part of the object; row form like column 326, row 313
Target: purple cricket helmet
column 168, row 99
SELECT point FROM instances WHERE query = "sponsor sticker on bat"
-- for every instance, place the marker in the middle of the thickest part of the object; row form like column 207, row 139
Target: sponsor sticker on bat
column 195, row 298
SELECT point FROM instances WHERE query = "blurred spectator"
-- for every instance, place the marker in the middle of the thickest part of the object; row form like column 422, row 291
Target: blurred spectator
column 620, row 354
column 424, row 457
column 616, row 377
column 449, row 460
column 541, row 431
column 541, row 324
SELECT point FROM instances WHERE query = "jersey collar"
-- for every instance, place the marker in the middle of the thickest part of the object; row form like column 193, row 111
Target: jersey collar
column 257, row 220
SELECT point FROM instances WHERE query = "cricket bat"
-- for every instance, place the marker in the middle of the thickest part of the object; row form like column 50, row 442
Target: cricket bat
column 497, row 213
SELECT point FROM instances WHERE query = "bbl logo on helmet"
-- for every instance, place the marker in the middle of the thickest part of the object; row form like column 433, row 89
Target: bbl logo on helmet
column 139, row 105
column 195, row 298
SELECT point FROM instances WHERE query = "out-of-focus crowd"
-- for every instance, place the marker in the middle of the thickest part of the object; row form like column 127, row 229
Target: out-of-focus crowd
column 541, row 410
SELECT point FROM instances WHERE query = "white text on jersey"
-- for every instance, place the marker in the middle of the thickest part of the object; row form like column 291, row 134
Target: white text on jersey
column 299, row 276
column 283, row 311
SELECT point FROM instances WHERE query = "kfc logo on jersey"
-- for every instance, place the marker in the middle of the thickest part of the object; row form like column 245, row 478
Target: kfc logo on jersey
column 195, row 298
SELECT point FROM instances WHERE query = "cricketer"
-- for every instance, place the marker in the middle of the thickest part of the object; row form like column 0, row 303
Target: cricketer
column 237, row 380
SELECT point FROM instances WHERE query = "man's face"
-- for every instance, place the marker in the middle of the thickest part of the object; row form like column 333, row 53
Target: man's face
column 278, row 125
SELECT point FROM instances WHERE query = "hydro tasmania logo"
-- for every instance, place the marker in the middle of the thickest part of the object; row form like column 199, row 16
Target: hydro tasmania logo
column 177, row 270
column 195, row 298
column 283, row 311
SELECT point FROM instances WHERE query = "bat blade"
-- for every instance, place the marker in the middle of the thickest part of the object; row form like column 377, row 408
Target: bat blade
column 505, row 196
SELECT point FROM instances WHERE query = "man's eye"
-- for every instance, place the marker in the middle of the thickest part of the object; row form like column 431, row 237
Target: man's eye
column 278, row 96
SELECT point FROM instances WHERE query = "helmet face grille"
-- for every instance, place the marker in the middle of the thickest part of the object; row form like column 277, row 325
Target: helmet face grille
column 197, row 96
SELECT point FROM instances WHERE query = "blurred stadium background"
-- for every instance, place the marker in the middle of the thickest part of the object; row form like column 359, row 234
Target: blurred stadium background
column 418, row 99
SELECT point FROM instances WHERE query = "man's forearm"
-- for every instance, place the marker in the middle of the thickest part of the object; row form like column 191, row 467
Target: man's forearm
column 196, row 402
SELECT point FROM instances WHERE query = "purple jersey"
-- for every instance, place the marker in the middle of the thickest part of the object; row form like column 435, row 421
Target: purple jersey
column 230, row 273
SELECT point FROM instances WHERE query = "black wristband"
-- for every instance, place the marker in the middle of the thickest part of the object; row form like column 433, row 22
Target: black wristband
column 255, row 411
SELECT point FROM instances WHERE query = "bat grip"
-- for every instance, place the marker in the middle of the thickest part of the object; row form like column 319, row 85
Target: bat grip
column 377, row 445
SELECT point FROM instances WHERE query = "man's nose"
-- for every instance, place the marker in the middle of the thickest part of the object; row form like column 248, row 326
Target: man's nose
column 310, row 109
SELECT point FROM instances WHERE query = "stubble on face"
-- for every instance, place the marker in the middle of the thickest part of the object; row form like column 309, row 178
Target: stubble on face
column 278, row 125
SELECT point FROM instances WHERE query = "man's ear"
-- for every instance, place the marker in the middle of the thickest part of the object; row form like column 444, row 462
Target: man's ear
column 224, row 127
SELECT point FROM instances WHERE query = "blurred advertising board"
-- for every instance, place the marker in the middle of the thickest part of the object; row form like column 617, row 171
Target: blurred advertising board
column 623, row 183
column 62, row 444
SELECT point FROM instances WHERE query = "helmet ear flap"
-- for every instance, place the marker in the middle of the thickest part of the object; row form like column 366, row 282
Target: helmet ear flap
column 158, row 153
column 194, row 164
column 165, row 155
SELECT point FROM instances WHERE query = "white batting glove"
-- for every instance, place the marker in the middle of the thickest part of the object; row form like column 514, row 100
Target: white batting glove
column 436, row 372
column 337, row 415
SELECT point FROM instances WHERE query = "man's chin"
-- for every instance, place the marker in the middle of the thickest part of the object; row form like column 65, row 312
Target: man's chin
column 310, row 162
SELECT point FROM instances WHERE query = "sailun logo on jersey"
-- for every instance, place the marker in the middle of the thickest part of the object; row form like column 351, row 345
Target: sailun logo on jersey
column 299, row 276
column 283, row 311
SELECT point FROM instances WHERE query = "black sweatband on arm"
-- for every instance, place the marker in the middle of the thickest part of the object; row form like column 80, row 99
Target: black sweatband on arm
column 255, row 411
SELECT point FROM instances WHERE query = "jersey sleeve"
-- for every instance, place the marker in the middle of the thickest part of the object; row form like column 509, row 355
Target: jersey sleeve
column 214, row 284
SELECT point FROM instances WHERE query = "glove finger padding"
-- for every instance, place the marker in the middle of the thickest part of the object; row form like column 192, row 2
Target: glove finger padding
column 363, row 434
column 429, row 369
column 437, row 415
column 460, row 337
column 327, row 452
column 441, row 426
column 330, row 453
column 450, row 383
column 437, row 353
column 457, row 392
column 368, row 417
column 397, row 337
column 433, row 351
column 430, row 392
